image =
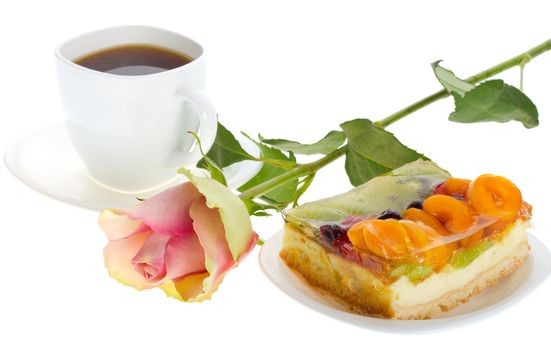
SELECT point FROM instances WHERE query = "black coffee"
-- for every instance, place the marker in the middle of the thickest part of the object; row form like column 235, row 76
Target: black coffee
column 135, row 59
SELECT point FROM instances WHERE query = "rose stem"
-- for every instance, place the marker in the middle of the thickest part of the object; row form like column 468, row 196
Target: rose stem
column 298, row 171
column 310, row 168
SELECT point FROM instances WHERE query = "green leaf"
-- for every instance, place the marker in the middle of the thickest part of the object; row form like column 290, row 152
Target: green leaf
column 258, row 209
column 284, row 193
column 359, row 169
column 495, row 101
column 304, row 184
column 373, row 151
column 492, row 100
column 226, row 150
column 450, row 81
column 214, row 170
column 329, row 143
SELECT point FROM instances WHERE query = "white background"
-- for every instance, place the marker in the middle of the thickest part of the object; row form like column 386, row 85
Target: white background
column 286, row 69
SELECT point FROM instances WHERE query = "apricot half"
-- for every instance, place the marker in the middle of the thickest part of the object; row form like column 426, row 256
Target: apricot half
column 428, row 244
column 419, row 237
column 495, row 196
column 525, row 211
column 455, row 187
column 385, row 238
column 455, row 215
column 418, row 215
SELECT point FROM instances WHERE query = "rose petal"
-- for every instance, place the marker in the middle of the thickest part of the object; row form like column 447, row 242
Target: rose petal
column 184, row 256
column 211, row 233
column 168, row 212
column 250, row 246
column 117, row 225
column 150, row 259
column 117, row 256
column 215, row 279
column 186, row 288
column 234, row 214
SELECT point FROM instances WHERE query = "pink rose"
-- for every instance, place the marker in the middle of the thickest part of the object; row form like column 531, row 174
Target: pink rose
column 182, row 240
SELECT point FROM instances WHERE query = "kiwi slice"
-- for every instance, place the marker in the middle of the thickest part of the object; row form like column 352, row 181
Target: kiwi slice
column 395, row 190
column 463, row 257
column 414, row 272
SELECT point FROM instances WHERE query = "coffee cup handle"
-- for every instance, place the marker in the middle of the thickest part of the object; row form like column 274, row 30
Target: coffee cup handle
column 208, row 123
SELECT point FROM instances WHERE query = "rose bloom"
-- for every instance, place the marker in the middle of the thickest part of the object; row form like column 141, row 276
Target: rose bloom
column 182, row 240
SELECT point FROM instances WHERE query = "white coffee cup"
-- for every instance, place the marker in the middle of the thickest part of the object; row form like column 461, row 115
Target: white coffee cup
column 132, row 131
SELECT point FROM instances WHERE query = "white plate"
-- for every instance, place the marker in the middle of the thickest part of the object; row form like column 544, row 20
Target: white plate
column 510, row 290
column 46, row 161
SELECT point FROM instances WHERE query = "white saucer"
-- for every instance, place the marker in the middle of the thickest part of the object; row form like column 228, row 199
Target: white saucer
column 46, row 161
column 507, row 292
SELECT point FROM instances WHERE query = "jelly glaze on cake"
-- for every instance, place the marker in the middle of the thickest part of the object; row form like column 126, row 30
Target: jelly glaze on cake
column 321, row 243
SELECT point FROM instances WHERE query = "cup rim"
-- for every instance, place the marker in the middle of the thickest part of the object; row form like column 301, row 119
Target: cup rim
column 61, row 58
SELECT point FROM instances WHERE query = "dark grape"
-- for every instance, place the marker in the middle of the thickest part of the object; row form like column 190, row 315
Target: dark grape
column 416, row 205
column 332, row 232
column 389, row 214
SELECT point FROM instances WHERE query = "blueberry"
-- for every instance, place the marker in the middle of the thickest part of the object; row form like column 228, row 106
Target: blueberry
column 389, row 214
column 416, row 205
column 332, row 232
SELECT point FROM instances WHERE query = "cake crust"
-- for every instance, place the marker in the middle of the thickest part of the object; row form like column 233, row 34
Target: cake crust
column 360, row 291
column 351, row 285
